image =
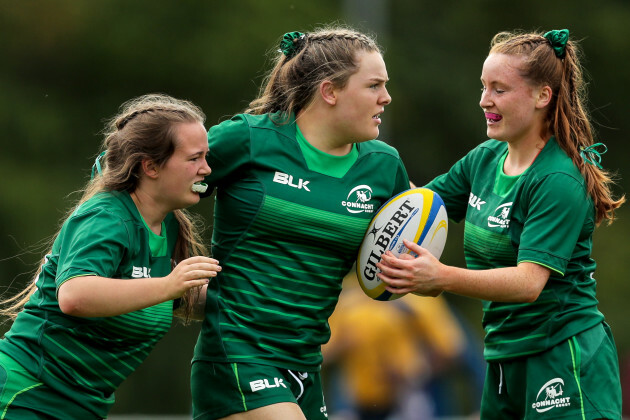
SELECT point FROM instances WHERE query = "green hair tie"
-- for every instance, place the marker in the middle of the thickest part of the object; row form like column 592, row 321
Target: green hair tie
column 558, row 40
column 96, row 168
column 593, row 156
column 292, row 43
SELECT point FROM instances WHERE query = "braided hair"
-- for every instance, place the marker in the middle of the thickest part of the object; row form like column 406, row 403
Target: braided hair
column 567, row 117
column 144, row 128
column 328, row 53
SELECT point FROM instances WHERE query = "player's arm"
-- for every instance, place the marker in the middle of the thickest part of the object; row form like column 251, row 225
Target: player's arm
column 426, row 275
column 94, row 296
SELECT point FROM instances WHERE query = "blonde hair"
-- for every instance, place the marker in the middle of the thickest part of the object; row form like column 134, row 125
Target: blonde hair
column 144, row 128
column 567, row 118
column 327, row 53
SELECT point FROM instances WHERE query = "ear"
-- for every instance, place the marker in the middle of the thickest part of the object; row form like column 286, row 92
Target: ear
column 328, row 92
column 149, row 168
column 544, row 97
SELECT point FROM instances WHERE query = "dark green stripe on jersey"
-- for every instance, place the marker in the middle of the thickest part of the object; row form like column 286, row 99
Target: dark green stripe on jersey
column 286, row 236
column 544, row 216
column 86, row 359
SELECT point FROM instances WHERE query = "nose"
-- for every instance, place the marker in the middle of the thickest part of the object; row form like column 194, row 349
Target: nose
column 205, row 168
column 386, row 99
column 485, row 102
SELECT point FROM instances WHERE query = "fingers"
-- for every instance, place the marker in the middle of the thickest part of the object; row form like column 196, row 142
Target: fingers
column 196, row 271
column 199, row 264
column 199, row 259
column 412, row 246
column 196, row 283
column 389, row 259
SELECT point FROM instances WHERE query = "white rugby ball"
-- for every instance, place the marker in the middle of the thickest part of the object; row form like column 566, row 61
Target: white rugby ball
column 417, row 215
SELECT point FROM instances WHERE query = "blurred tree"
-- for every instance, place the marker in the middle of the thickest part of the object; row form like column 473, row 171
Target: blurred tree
column 66, row 65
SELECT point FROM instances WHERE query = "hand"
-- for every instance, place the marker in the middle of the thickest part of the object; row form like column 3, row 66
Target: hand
column 191, row 272
column 408, row 274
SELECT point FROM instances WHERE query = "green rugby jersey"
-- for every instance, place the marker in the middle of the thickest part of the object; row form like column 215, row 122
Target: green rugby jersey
column 86, row 359
column 544, row 216
column 285, row 236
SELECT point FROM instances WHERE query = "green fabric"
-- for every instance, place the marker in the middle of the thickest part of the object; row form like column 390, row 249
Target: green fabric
column 86, row 359
column 290, row 43
column 558, row 40
column 504, row 183
column 324, row 163
column 546, row 218
column 286, row 236
column 157, row 243
column 222, row 389
column 576, row 379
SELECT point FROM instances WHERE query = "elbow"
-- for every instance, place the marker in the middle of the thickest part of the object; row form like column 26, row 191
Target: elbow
column 70, row 303
column 70, row 306
column 530, row 297
column 532, row 293
column 533, row 281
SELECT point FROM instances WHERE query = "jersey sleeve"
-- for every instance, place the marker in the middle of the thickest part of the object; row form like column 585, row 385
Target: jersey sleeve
column 454, row 189
column 229, row 150
column 402, row 178
column 91, row 243
column 558, row 207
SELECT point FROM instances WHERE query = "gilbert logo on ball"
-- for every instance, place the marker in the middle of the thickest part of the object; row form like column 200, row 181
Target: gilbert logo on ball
column 417, row 215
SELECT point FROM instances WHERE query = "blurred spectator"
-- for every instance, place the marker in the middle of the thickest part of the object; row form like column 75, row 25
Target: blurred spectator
column 382, row 355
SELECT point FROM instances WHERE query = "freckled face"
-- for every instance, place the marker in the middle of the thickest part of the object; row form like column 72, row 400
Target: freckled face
column 509, row 100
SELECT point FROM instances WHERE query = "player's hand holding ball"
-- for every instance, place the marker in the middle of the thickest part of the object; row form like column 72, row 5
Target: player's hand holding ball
column 412, row 223
column 409, row 274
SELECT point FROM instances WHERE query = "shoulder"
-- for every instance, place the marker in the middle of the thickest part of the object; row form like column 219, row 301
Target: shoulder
column 483, row 155
column 106, row 210
column 377, row 146
column 112, row 203
column 104, row 217
column 245, row 126
column 489, row 149
column 554, row 163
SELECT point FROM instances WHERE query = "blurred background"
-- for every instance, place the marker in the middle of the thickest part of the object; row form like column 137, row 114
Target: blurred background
column 68, row 64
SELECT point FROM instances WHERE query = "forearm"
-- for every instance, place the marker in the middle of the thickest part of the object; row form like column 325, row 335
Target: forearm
column 425, row 275
column 93, row 296
column 510, row 284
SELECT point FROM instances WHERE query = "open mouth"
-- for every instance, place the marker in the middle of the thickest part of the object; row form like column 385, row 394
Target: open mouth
column 199, row 187
column 492, row 117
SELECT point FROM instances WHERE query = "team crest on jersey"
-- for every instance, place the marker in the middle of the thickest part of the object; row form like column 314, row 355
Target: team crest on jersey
column 500, row 217
column 358, row 200
column 141, row 272
column 551, row 396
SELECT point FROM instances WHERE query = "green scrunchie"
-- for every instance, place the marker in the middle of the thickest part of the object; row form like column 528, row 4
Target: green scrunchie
column 289, row 45
column 558, row 40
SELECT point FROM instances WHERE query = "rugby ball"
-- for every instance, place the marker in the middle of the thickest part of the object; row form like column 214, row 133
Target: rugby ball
column 417, row 215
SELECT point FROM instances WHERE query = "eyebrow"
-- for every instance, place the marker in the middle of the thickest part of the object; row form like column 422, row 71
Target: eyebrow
column 201, row 152
column 378, row 79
